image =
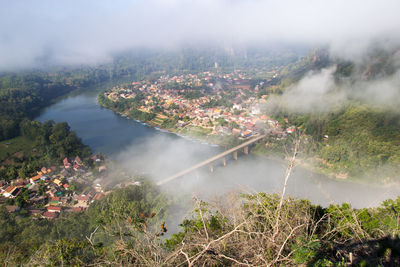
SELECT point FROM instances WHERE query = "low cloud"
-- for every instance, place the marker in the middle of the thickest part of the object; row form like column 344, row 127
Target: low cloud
column 160, row 156
column 384, row 91
column 318, row 92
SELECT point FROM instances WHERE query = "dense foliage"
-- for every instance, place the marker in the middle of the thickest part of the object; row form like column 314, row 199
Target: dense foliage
column 354, row 138
column 48, row 144
column 64, row 241
column 126, row 227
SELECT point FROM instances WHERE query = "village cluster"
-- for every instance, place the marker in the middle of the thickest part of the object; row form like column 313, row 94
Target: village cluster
column 52, row 191
column 240, row 112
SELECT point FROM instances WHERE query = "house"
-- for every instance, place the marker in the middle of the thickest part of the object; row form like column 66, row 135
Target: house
column 99, row 196
column 53, row 209
column 96, row 158
column 52, row 192
column 78, row 209
column 291, row 130
column 33, row 187
column 12, row 209
column 35, row 212
column 38, row 200
column 78, row 160
column 35, row 179
column 83, row 200
column 102, row 168
column 44, row 178
column 67, row 163
column 19, row 182
column 246, row 133
column 11, row 191
column 54, row 203
column 64, row 200
column 64, row 172
column 50, row 215
column 236, row 131
column 78, row 167
column 57, row 182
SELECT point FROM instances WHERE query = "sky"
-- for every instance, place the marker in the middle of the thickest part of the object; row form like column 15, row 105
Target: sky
column 85, row 32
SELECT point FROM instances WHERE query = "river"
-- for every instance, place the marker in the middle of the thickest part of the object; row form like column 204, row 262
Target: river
column 142, row 149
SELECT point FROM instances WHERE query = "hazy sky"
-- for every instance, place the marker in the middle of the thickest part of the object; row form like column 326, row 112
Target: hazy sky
column 87, row 31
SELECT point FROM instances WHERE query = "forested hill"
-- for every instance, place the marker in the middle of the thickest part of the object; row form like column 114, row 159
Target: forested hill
column 355, row 123
column 131, row 227
column 22, row 95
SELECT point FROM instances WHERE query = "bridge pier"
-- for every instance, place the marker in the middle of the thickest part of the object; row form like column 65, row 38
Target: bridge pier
column 246, row 150
column 209, row 162
column 235, row 155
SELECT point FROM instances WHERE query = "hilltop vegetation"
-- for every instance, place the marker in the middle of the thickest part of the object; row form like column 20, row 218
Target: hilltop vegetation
column 40, row 144
column 359, row 134
column 361, row 139
column 127, row 226
column 114, row 216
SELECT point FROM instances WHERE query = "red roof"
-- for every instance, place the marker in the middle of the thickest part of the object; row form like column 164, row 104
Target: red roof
column 12, row 209
column 10, row 189
column 83, row 198
column 99, row 196
column 77, row 209
column 78, row 160
column 66, row 161
column 54, row 209
column 50, row 215
column 36, row 211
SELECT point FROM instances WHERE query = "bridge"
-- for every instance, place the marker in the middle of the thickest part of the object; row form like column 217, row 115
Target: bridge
column 233, row 151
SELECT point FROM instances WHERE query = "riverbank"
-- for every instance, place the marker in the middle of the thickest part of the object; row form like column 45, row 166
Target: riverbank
column 195, row 134
column 187, row 134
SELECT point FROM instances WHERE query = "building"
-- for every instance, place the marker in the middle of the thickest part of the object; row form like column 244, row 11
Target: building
column 50, row 215
column 83, row 200
column 246, row 133
column 12, row 209
column 11, row 191
column 53, row 209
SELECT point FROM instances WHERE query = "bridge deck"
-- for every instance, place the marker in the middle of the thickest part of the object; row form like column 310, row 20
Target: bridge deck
column 210, row 160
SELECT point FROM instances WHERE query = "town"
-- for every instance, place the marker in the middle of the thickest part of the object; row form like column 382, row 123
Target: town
column 71, row 187
column 209, row 102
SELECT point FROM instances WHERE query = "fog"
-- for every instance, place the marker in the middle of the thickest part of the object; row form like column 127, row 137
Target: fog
column 160, row 156
column 86, row 32
column 317, row 92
